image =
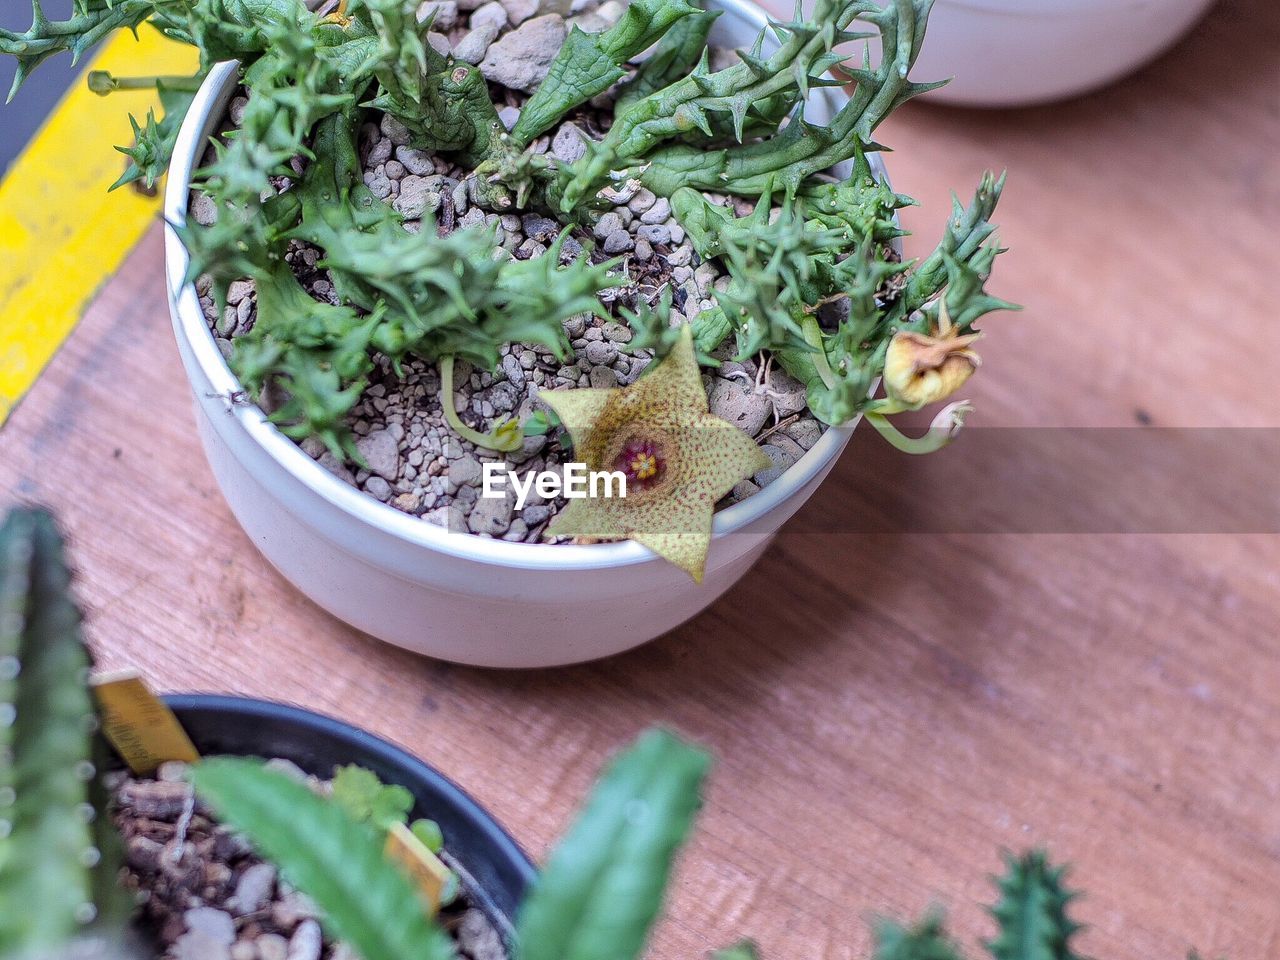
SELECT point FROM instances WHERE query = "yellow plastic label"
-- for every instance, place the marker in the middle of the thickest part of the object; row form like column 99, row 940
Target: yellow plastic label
column 138, row 724
column 425, row 868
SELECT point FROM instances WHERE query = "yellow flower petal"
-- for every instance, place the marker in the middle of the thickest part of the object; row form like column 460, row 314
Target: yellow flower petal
column 577, row 409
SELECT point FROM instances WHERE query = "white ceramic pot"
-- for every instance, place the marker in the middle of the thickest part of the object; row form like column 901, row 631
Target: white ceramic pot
column 1016, row 52
column 450, row 595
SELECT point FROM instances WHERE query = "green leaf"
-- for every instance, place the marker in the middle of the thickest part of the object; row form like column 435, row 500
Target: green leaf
column 1032, row 912
column 335, row 860
column 368, row 799
column 536, row 424
column 603, row 885
column 800, row 149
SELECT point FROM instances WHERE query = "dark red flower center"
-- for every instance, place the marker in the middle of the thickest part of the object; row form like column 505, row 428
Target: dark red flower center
column 642, row 462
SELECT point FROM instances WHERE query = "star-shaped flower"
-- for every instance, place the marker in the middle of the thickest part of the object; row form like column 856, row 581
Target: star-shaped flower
column 679, row 460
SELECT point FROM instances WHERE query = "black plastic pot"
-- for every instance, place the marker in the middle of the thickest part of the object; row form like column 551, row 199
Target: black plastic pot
column 495, row 872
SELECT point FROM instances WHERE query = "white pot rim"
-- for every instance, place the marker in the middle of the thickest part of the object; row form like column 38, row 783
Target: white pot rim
column 190, row 327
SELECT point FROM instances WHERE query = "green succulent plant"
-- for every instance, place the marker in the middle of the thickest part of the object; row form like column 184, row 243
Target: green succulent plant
column 1031, row 918
column 56, row 849
column 814, row 279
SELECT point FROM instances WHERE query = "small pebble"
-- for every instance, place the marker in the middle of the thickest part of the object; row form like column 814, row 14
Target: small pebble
column 491, row 515
column 603, row 378
column 781, row 461
column 569, row 143
column 443, row 14
column 617, row 332
column 521, row 59
column 216, row 924
column 475, row 44
column 378, row 488
column 200, row 946
column 509, row 116
column 306, row 942
column 491, row 14
column 680, row 256
column 601, row 352
column 394, row 130
column 417, row 162
column 643, row 200
column 658, row 213
column 657, row 234
column 272, row 946
column 805, row 432
column 738, row 403
column 381, row 452
column 618, row 242
column 253, row 889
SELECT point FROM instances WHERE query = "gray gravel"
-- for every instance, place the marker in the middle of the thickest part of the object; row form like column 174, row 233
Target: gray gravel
column 412, row 460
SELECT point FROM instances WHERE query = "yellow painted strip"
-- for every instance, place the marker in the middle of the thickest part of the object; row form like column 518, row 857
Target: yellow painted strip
column 61, row 233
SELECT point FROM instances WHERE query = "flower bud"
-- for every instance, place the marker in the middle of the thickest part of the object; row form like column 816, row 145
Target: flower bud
column 920, row 369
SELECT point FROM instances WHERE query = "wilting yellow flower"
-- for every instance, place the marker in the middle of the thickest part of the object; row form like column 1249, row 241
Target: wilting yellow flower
column 679, row 460
column 920, row 368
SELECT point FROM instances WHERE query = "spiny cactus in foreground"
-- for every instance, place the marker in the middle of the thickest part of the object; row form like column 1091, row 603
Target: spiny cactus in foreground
column 59, row 854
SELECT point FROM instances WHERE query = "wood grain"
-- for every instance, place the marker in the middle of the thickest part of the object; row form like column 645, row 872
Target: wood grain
column 889, row 707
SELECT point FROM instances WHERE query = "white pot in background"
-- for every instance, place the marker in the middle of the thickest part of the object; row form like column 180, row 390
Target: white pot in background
column 1016, row 52
column 450, row 595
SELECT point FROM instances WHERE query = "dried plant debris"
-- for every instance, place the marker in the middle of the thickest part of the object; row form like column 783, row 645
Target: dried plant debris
column 206, row 895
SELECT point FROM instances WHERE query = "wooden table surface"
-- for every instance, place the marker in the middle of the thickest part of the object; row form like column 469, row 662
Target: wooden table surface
column 889, row 708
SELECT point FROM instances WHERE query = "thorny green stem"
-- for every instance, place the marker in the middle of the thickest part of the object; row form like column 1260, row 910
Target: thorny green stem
column 102, row 82
column 504, row 438
column 813, row 337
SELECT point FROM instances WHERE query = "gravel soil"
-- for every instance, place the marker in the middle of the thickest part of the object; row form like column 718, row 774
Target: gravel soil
column 206, row 896
column 414, row 462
